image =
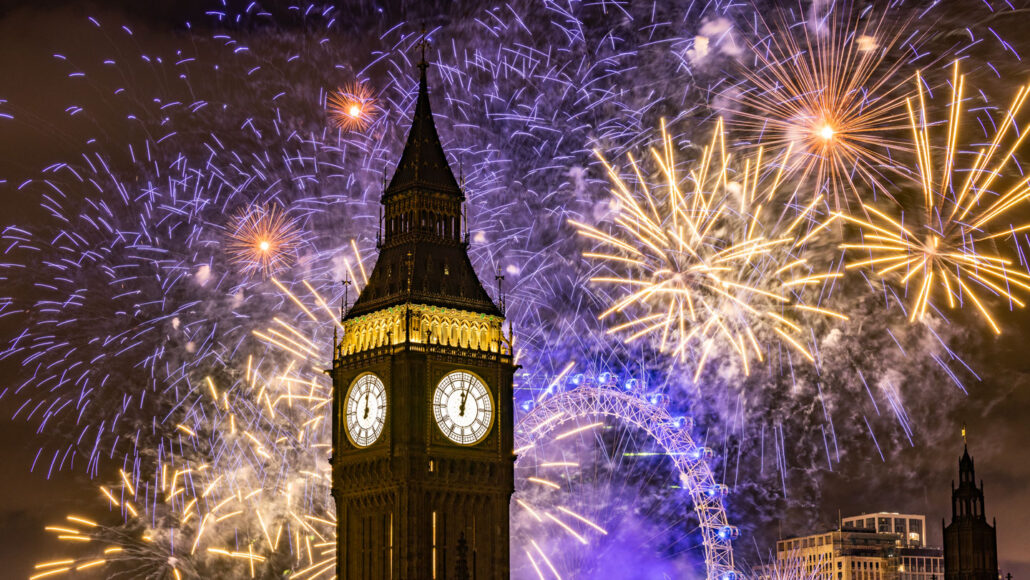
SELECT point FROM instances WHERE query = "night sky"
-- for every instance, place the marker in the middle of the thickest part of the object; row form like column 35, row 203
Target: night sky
column 36, row 90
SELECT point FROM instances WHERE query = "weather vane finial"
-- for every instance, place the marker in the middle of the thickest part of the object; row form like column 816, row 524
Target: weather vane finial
column 423, row 44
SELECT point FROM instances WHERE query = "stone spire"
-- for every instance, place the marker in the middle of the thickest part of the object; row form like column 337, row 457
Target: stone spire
column 970, row 543
column 423, row 163
column 423, row 257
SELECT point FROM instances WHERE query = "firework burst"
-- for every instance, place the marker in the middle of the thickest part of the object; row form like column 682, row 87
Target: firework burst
column 245, row 494
column 948, row 249
column 263, row 239
column 829, row 96
column 353, row 108
column 710, row 263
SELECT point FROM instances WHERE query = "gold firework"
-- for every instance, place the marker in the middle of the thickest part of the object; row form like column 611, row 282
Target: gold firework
column 950, row 250
column 708, row 263
column 829, row 97
column 263, row 239
column 353, row 108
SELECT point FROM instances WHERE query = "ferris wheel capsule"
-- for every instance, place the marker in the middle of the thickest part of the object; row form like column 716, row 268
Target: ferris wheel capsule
column 729, row 533
column 699, row 453
column 717, row 490
column 682, row 422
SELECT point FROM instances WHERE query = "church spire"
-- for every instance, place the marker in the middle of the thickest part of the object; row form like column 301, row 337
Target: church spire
column 970, row 548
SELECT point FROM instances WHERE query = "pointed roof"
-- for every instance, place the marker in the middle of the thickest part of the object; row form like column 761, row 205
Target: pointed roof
column 419, row 266
column 423, row 163
column 965, row 466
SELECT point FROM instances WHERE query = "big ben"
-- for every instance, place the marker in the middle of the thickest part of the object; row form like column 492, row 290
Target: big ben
column 422, row 379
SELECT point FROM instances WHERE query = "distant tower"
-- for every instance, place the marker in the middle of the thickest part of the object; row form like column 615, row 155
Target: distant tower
column 970, row 544
column 423, row 467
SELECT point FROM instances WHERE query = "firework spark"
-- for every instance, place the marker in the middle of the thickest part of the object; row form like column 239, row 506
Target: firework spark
column 353, row 108
column 830, row 97
column 707, row 264
column 949, row 250
column 263, row 240
column 145, row 311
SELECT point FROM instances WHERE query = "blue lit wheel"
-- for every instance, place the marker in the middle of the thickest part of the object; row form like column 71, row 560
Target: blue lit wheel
column 590, row 460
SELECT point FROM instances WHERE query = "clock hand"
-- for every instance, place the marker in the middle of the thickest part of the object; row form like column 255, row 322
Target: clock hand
column 464, row 397
column 366, row 406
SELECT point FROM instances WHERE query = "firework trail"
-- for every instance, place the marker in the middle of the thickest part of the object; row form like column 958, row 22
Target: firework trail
column 124, row 291
column 829, row 91
column 702, row 263
column 136, row 287
column 263, row 240
column 246, row 493
column 353, row 108
column 945, row 247
column 791, row 567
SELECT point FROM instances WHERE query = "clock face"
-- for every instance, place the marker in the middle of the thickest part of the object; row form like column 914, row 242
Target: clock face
column 365, row 410
column 463, row 408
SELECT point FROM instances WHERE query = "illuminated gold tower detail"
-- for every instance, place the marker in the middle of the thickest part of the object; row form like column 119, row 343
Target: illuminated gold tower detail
column 422, row 377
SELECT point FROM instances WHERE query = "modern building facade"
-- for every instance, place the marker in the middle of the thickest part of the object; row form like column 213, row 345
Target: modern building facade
column 423, row 466
column 921, row 564
column 858, row 550
column 892, row 546
column 970, row 543
column 910, row 527
column 844, row 554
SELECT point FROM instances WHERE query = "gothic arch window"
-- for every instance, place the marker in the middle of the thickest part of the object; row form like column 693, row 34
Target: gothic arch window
column 454, row 334
column 435, row 329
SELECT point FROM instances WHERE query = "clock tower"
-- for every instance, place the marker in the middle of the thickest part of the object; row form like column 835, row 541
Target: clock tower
column 422, row 461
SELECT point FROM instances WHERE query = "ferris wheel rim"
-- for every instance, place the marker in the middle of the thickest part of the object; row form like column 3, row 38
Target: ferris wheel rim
column 670, row 434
